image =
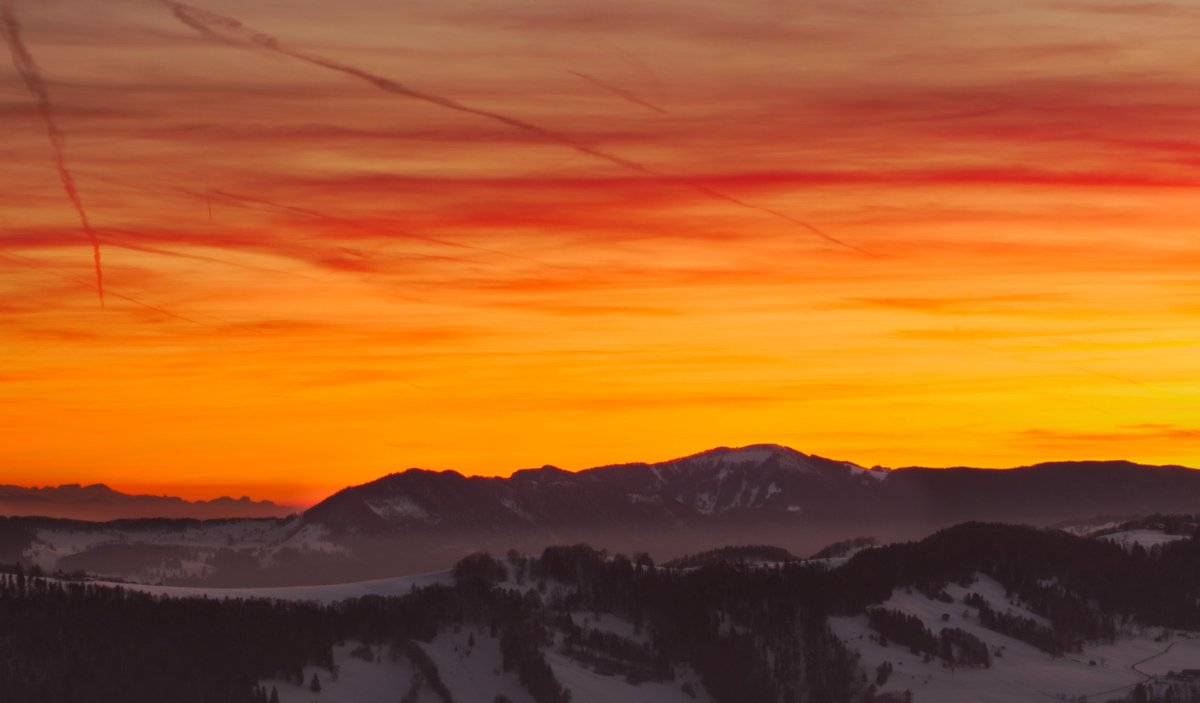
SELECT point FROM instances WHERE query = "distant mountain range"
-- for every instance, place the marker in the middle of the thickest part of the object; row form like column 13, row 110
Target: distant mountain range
column 98, row 502
column 423, row 520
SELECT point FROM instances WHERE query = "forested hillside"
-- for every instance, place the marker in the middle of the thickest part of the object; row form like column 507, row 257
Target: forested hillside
column 745, row 631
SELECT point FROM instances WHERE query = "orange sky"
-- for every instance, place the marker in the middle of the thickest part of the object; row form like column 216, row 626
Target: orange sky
column 387, row 282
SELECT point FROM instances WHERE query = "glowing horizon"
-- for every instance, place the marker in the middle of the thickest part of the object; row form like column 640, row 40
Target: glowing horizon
column 312, row 281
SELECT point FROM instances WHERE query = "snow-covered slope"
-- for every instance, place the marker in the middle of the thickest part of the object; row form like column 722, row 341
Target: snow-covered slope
column 155, row 551
column 1146, row 532
column 1143, row 537
column 1019, row 672
column 469, row 661
column 756, row 480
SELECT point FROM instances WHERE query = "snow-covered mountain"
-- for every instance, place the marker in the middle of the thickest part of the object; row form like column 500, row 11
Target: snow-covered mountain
column 748, row 482
column 754, row 484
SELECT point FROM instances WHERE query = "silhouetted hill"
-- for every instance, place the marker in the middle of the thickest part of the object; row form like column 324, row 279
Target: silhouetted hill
column 753, row 485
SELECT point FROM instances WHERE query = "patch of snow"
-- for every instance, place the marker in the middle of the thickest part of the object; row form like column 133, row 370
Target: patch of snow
column 1086, row 529
column 50, row 545
column 511, row 506
column 397, row 508
column 990, row 590
column 314, row 538
column 1021, row 673
column 706, row 502
column 642, row 499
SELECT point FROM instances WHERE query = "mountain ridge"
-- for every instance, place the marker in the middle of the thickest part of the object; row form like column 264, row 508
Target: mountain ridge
column 420, row 520
column 100, row 502
column 782, row 448
column 746, row 483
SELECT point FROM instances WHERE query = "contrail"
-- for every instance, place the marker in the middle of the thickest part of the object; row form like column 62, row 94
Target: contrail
column 10, row 28
column 618, row 91
column 226, row 30
column 82, row 282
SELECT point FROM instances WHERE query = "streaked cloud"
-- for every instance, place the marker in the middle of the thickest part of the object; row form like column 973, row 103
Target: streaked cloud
column 308, row 272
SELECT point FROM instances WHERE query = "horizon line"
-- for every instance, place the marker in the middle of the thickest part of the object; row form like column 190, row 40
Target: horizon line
column 171, row 491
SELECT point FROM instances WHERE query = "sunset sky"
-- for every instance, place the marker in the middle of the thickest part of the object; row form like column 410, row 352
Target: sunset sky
column 594, row 232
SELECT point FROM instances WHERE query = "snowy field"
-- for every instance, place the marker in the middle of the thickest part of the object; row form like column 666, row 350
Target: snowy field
column 1022, row 673
column 472, row 672
column 395, row 586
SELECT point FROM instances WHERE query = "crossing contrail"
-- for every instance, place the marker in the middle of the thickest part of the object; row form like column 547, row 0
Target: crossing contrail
column 29, row 263
column 227, row 30
column 618, row 91
column 28, row 69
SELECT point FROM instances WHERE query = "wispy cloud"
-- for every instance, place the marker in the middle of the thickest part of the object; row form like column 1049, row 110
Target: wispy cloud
column 1121, row 437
